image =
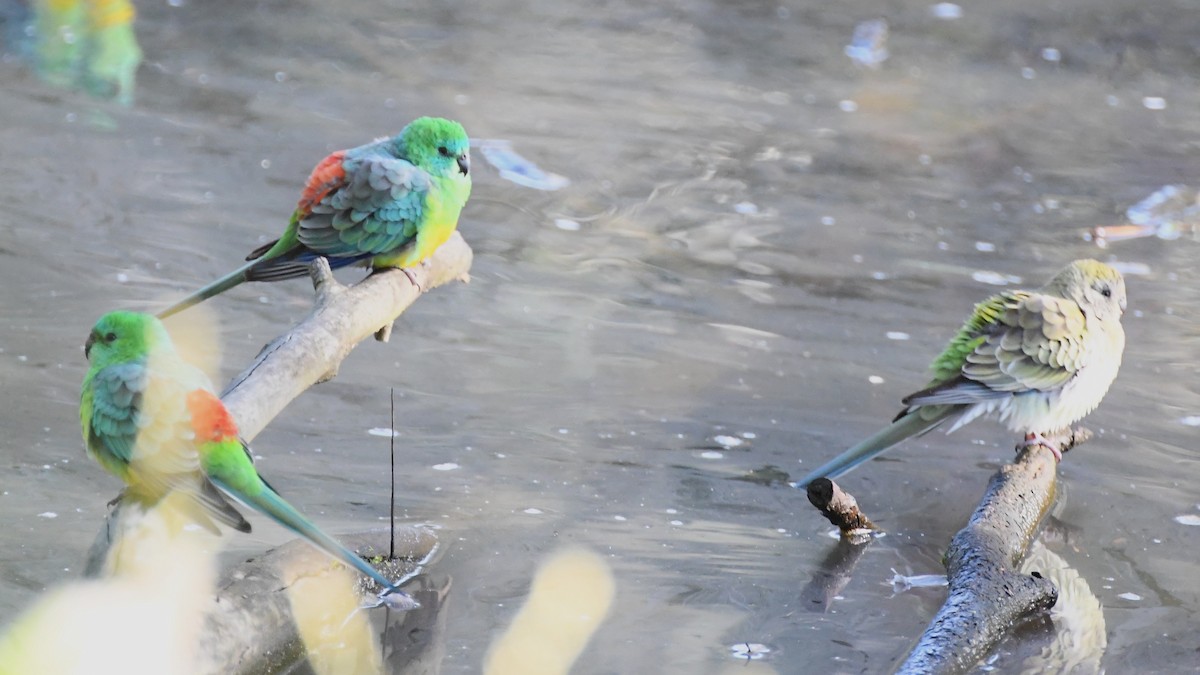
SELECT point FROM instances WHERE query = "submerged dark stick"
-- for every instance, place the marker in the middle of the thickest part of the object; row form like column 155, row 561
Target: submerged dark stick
column 392, row 448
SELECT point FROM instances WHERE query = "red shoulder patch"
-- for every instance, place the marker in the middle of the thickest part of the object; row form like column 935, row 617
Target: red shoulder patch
column 327, row 176
column 211, row 420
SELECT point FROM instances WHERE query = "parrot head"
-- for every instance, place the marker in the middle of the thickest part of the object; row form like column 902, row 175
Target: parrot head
column 123, row 336
column 439, row 146
column 1098, row 289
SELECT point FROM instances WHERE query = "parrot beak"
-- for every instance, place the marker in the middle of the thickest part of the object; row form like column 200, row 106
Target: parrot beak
column 87, row 346
column 464, row 164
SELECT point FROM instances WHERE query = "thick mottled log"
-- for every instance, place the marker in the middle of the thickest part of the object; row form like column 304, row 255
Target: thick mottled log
column 987, row 595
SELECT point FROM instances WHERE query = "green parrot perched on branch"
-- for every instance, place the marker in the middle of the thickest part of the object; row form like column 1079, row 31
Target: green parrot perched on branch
column 152, row 420
column 1039, row 361
column 390, row 203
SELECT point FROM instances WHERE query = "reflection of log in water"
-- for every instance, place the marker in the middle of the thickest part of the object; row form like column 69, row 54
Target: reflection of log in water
column 837, row 569
column 256, row 617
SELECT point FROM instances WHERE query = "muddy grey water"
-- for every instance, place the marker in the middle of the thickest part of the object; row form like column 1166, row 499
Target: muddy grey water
column 762, row 247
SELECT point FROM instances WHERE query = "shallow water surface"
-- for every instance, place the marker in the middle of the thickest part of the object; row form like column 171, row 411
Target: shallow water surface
column 772, row 244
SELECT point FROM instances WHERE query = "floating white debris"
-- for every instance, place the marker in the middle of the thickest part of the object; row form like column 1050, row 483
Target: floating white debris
column 533, row 512
column 1051, row 54
column 1154, row 103
column 868, row 46
column 386, row 432
column 751, row 651
column 828, row 220
column 1028, row 73
column 995, row 278
column 1160, row 204
column 48, row 514
column 620, row 519
column 122, row 278
column 946, row 11
column 1190, row 519
column 567, row 224
column 897, row 335
column 677, row 523
column 901, row 582
column 1130, row 596
column 749, row 435
column 847, row 105
column 728, row 441
column 1112, row 100
column 1190, row 421
column 447, row 466
column 746, row 208
column 711, row 454
column 875, row 379
column 985, row 246
column 516, row 168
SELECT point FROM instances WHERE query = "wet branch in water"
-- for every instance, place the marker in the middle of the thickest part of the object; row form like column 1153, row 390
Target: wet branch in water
column 987, row 596
column 839, row 507
column 837, row 569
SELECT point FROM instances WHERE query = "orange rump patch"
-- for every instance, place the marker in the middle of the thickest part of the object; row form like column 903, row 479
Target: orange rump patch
column 211, row 420
column 327, row 175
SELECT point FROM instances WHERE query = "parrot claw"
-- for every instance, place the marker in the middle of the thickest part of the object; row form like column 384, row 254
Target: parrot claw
column 1037, row 438
column 408, row 273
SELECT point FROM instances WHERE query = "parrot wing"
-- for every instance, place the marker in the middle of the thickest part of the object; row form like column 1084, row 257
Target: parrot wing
column 352, row 209
column 377, row 207
column 1014, row 343
column 141, row 430
column 110, row 425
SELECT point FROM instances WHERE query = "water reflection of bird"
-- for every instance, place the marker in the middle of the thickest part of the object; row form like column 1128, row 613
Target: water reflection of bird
column 152, row 419
column 1039, row 361
column 390, row 203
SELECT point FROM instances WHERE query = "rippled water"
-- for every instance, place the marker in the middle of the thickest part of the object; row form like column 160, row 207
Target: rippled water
column 773, row 243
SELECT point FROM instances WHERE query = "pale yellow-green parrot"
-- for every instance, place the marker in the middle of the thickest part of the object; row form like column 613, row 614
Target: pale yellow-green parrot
column 1039, row 361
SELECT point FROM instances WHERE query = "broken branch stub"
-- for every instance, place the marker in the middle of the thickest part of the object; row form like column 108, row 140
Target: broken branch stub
column 839, row 507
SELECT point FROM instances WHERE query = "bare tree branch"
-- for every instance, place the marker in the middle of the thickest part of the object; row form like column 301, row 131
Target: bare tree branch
column 344, row 316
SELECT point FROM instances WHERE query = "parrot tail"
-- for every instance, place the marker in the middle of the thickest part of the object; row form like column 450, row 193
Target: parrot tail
column 913, row 422
column 269, row 503
column 219, row 286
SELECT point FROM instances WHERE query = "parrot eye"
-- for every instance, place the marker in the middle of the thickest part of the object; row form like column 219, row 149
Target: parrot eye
column 1106, row 292
column 443, row 151
column 110, row 337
